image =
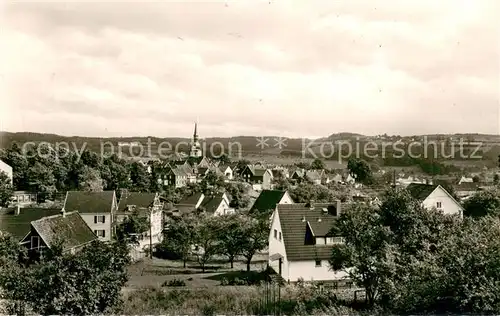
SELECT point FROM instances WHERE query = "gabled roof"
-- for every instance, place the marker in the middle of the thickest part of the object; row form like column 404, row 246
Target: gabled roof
column 257, row 172
column 138, row 199
column 421, row 191
column 192, row 199
column 223, row 167
column 19, row 225
column 89, row 202
column 70, row 228
column 295, row 230
column 467, row 186
column 268, row 199
column 211, row 203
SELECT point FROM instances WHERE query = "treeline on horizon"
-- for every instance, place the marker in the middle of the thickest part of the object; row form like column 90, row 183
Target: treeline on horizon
column 429, row 159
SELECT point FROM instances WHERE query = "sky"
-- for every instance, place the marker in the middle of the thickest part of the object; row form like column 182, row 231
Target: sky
column 285, row 68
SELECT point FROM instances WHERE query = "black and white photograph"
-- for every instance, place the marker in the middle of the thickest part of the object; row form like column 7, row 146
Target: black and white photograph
column 250, row 157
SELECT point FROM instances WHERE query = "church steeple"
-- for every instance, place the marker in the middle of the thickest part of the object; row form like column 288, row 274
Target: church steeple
column 195, row 144
column 195, row 135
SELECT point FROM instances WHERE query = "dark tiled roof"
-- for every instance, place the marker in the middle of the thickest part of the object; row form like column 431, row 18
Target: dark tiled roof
column 71, row 228
column 467, row 186
column 191, row 200
column 210, row 204
column 259, row 172
column 297, row 244
column 138, row 199
column 420, row 191
column 89, row 202
column 19, row 225
column 267, row 200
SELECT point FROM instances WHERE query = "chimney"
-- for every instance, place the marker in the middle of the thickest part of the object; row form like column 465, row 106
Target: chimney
column 17, row 210
column 311, row 205
column 338, row 207
column 303, row 218
column 63, row 212
column 319, row 219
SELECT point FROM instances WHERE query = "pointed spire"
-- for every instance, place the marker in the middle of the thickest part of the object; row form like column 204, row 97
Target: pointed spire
column 195, row 129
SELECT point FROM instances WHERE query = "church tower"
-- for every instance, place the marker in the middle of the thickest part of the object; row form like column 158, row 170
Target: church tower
column 195, row 144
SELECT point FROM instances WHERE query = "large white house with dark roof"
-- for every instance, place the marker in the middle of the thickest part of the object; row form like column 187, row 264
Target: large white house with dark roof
column 300, row 242
column 96, row 208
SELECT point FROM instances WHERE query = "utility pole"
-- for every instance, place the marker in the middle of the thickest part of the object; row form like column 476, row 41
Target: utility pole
column 151, row 233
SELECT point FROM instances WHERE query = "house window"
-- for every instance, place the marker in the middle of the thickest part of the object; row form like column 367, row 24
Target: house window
column 100, row 233
column 35, row 242
column 438, row 205
column 334, row 240
column 99, row 219
column 280, row 236
column 275, row 234
column 318, row 263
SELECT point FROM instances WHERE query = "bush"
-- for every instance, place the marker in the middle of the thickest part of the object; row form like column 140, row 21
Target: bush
column 174, row 282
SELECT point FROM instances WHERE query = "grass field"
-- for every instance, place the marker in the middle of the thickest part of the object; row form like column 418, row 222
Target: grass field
column 154, row 272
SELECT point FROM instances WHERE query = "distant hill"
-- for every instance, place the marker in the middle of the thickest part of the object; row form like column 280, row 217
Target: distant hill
column 238, row 146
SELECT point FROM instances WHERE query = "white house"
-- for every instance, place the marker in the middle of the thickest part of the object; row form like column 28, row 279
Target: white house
column 300, row 242
column 227, row 171
column 435, row 196
column 7, row 169
column 148, row 205
column 216, row 204
column 96, row 208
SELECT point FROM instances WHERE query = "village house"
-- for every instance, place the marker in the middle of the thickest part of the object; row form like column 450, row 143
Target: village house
column 259, row 178
column 297, row 174
column 96, row 208
column 226, row 170
column 315, row 176
column 68, row 228
column 16, row 221
column 176, row 177
column 216, row 204
column 269, row 199
column 435, row 196
column 8, row 170
column 465, row 179
column 146, row 204
column 466, row 189
column 301, row 242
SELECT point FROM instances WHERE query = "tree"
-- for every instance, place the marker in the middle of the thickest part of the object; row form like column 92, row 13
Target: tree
column 306, row 192
column 366, row 253
column 318, row 164
column 206, row 238
column 132, row 227
column 6, row 189
column 179, row 237
column 41, row 178
column 231, row 236
column 476, row 179
column 482, row 203
column 85, row 283
column 139, row 177
column 239, row 195
column 212, row 181
column 89, row 179
column 256, row 234
column 360, row 170
column 496, row 179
